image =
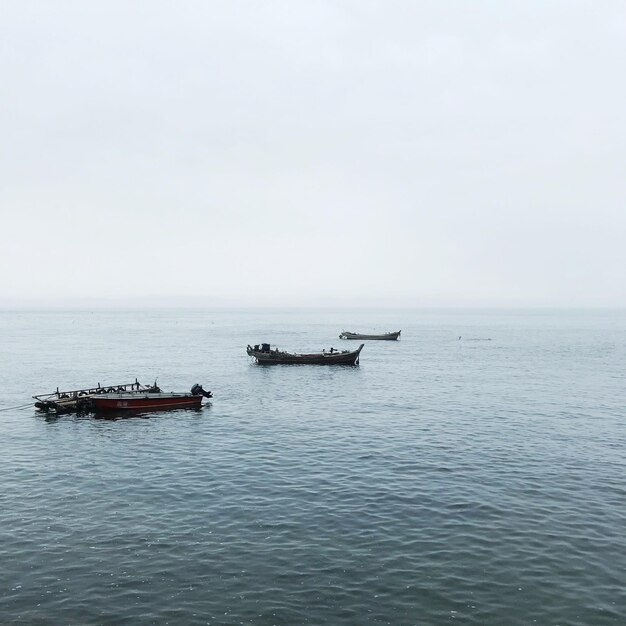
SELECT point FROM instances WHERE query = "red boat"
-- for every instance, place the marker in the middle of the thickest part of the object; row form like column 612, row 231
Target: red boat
column 79, row 400
column 119, row 402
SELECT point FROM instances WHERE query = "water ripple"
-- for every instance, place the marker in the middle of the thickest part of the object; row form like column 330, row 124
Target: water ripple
column 440, row 482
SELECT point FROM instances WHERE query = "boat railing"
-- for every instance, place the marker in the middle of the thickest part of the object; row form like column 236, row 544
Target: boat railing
column 87, row 391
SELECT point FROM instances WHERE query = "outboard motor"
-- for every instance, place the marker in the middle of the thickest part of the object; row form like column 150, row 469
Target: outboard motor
column 197, row 390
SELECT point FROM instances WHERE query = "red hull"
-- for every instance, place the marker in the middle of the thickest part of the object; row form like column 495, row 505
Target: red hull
column 163, row 403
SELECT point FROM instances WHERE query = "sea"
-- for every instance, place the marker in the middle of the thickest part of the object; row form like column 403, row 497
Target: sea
column 473, row 472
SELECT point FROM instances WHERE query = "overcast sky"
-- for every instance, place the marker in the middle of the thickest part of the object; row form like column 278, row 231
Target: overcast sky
column 417, row 153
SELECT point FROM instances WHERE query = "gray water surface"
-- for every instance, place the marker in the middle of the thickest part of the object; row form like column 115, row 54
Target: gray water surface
column 472, row 481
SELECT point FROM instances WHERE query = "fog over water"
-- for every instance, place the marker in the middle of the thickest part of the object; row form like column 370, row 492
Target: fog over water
column 413, row 153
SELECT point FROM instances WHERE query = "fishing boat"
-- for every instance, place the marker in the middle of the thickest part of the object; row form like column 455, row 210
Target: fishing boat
column 79, row 400
column 144, row 402
column 125, row 397
column 385, row 336
column 265, row 355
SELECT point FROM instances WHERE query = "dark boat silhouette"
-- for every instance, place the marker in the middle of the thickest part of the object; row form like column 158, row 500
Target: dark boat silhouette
column 265, row 355
column 385, row 336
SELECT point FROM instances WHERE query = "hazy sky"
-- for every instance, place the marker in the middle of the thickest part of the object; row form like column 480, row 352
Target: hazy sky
column 420, row 153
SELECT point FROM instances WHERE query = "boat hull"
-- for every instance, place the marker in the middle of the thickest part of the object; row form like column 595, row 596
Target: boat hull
column 148, row 402
column 384, row 337
column 323, row 358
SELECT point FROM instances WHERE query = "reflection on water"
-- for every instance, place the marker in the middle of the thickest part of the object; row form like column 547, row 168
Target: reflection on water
column 118, row 415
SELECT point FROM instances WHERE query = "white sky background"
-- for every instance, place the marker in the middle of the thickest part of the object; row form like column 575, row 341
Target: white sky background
column 417, row 153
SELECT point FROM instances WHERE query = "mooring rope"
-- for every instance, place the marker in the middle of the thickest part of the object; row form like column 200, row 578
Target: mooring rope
column 19, row 406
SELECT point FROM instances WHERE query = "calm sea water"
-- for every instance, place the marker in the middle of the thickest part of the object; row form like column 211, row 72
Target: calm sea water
column 472, row 481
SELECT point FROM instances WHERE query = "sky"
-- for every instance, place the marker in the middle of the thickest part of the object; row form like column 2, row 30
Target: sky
column 396, row 153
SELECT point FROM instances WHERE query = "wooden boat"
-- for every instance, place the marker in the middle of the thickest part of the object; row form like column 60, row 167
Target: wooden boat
column 79, row 400
column 143, row 402
column 265, row 355
column 385, row 336
column 126, row 397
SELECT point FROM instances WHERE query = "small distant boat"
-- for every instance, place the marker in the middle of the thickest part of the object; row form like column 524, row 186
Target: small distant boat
column 121, row 402
column 265, row 355
column 385, row 336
